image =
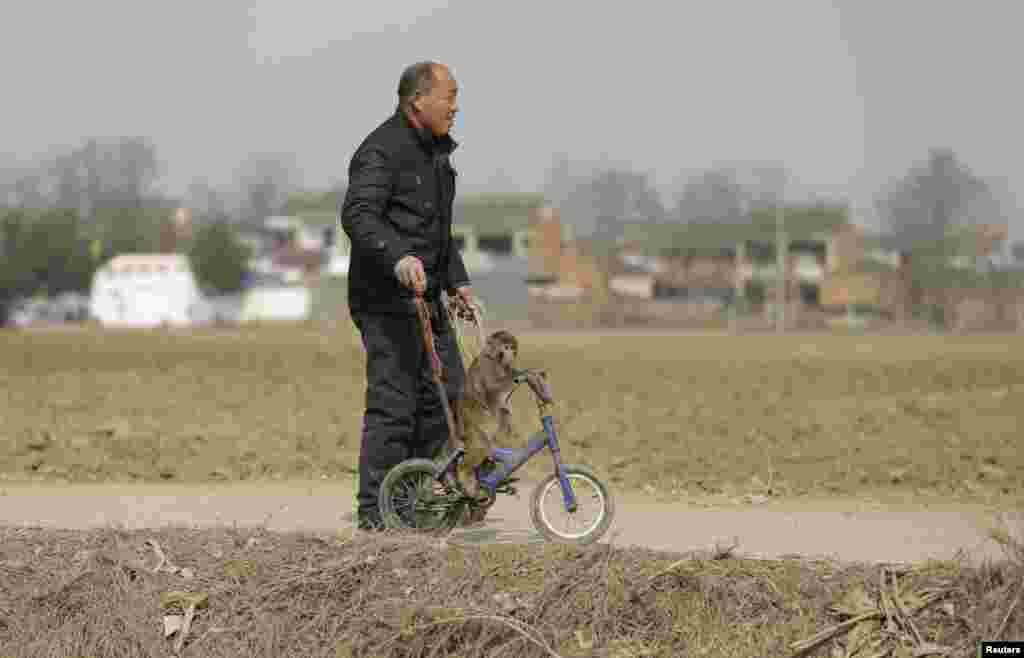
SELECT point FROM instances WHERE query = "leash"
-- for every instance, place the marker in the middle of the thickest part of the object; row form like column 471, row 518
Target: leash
column 436, row 368
column 455, row 322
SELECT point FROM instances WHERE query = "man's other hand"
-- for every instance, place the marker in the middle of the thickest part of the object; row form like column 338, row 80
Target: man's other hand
column 409, row 271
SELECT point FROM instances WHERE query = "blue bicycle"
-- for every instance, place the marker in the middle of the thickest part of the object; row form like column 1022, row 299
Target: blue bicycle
column 421, row 494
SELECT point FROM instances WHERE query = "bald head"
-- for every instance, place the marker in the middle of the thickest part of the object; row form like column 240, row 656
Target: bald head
column 427, row 93
column 417, row 80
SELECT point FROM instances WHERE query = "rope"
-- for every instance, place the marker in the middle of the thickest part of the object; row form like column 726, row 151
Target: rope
column 437, row 369
column 457, row 323
column 423, row 311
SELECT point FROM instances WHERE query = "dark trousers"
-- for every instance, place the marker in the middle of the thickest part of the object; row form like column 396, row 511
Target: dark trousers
column 404, row 417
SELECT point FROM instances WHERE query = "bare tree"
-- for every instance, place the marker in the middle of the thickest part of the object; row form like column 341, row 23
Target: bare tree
column 117, row 173
column 8, row 180
column 132, row 170
column 623, row 196
column 31, row 190
column 559, row 183
column 566, row 190
column 714, row 195
column 263, row 183
column 923, row 210
column 764, row 184
column 108, row 173
column 206, row 202
column 596, row 201
column 22, row 187
column 728, row 192
column 934, row 196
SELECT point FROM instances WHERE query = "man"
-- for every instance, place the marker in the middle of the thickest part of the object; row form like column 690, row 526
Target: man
column 397, row 214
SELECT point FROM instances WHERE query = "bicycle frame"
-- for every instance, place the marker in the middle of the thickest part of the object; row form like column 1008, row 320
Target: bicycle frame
column 510, row 460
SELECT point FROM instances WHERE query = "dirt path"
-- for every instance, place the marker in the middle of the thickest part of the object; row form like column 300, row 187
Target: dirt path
column 847, row 529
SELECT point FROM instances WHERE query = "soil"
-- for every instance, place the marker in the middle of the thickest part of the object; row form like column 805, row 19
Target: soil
column 849, row 530
column 866, row 447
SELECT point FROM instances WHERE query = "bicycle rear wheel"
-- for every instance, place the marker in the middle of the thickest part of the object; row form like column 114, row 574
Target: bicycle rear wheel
column 412, row 499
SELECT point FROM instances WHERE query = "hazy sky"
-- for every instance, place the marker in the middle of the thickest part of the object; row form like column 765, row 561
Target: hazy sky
column 846, row 94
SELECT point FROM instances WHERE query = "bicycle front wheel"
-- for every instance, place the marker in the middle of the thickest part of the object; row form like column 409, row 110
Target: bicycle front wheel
column 595, row 507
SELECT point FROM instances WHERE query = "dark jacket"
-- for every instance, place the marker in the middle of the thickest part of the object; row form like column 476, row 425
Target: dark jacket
column 401, row 186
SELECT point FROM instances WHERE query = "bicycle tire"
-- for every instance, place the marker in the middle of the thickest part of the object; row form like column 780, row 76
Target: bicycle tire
column 417, row 475
column 592, row 534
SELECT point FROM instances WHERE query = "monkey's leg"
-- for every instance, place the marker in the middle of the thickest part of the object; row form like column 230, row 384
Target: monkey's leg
column 479, row 446
column 505, row 431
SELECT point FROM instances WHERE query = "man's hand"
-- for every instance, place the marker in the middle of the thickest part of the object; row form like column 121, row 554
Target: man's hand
column 409, row 271
column 464, row 304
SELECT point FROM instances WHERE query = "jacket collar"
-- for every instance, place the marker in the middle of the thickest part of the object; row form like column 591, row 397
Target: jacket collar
column 425, row 139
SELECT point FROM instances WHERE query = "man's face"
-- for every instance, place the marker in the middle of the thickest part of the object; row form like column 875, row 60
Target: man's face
column 437, row 109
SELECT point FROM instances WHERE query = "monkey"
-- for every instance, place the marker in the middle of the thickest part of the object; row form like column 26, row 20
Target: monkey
column 485, row 400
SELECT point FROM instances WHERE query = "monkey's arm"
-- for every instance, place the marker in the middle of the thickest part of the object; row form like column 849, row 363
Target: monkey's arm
column 538, row 383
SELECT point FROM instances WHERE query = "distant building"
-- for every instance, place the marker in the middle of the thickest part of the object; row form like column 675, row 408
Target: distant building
column 276, row 303
column 872, row 270
column 496, row 224
column 719, row 262
column 485, row 227
column 145, row 290
column 297, row 248
column 561, row 266
column 490, row 230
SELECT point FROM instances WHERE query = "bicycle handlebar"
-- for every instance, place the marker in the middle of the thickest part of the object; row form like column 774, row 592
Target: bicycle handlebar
column 520, row 376
column 538, row 381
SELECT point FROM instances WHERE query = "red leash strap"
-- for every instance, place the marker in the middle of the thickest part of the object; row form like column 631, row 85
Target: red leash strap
column 423, row 311
column 428, row 337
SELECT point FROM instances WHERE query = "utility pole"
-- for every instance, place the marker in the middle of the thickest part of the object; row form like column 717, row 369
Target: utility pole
column 780, row 254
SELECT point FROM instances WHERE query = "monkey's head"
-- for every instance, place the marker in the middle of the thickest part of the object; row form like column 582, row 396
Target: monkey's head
column 502, row 347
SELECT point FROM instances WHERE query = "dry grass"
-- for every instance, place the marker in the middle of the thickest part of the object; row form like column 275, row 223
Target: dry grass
column 66, row 594
column 686, row 414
